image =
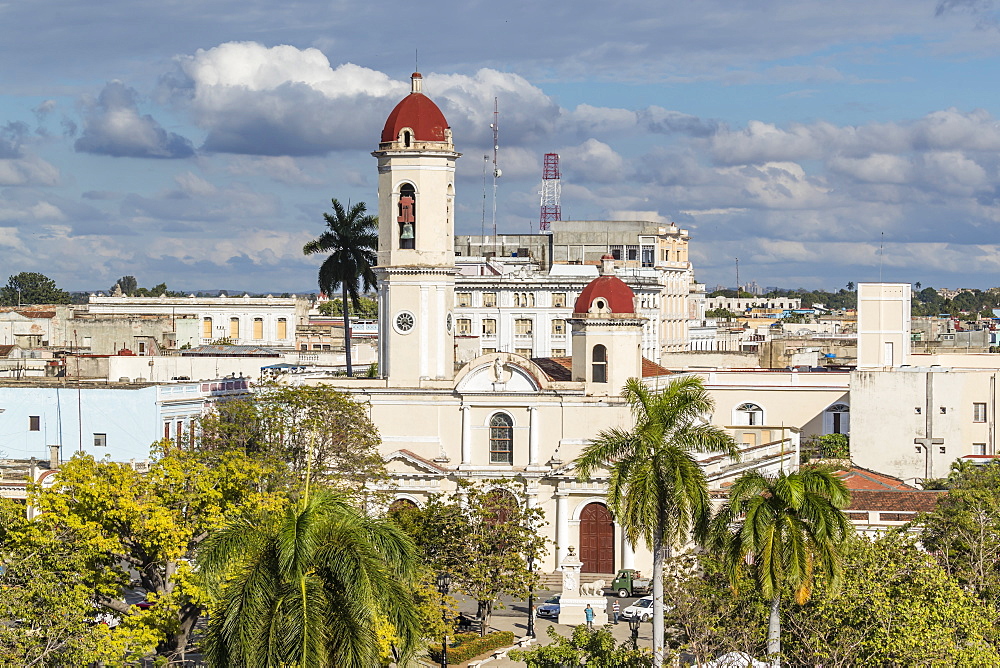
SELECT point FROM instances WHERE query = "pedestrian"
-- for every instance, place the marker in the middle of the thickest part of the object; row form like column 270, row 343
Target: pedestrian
column 616, row 610
column 588, row 612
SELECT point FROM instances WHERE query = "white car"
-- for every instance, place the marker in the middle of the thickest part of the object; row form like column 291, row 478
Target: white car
column 643, row 609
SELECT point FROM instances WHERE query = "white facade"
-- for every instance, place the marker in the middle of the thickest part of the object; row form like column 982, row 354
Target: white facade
column 518, row 308
column 244, row 320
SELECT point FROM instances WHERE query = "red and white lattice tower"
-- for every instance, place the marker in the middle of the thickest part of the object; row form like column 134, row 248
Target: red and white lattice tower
column 551, row 209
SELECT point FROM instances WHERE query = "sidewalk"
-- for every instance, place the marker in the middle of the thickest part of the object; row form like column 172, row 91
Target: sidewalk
column 514, row 618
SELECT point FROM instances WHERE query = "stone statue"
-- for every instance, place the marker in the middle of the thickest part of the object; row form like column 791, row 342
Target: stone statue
column 498, row 370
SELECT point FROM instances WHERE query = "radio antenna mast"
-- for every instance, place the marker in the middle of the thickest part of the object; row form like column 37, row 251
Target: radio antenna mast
column 551, row 187
column 495, row 125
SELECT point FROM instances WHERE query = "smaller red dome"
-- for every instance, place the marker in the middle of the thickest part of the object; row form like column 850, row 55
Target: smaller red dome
column 417, row 112
column 614, row 291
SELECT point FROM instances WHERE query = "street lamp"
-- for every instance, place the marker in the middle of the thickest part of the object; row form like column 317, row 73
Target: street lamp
column 633, row 623
column 531, row 594
column 444, row 584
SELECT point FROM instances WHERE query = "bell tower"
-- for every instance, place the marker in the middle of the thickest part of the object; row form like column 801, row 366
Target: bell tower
column 416, row 256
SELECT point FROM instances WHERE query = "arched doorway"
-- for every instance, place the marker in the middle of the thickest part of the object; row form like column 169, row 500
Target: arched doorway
column 597, row 539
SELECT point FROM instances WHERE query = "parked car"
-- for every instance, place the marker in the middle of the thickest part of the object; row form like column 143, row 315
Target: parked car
column 643, row 609
column 550, row 608
column 630, row 582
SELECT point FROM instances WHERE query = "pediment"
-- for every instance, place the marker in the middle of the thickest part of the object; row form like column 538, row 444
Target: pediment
column 499, row 373
column 404, row 462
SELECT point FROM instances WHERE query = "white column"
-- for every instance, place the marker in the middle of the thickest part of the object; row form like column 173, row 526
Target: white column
column 533, row 436
column 423, row 326
column 562, row 525
column 466, row 435
column 628, row 553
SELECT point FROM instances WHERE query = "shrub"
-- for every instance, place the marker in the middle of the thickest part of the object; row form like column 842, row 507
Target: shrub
column 468, row 645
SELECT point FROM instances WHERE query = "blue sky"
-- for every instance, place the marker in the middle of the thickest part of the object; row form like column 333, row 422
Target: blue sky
column 199, row 143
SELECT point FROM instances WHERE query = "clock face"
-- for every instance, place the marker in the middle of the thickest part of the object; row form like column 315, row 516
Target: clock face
column 404, row 322
column 448, row 323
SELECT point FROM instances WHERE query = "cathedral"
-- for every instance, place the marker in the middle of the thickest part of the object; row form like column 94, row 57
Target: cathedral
column 500, row 415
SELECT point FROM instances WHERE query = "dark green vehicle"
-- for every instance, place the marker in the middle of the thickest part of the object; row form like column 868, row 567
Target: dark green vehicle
column 630, row 582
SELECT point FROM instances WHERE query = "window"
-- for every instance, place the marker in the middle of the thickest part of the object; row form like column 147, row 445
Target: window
column 599, row 364
column 100, row 440
column 617, row 252
column 837, row 419
column 558, row 299
column 282, row 329
column 463, row 326
column 559, row 327
column 979, row 412
column 501, row 439
column 522, row 327
column 234, row 328
column 979, row 448
column 206, row 328
column 647, row 256
column 166, row 429
column 559, row 352
column 749, row 415
column 463, row 298
column 258, row 328
column 524, row 352
column 489, row 351
column 632, row 252
column 489, row 299
column 34, row 423
column 407, row 216
column 489, row 327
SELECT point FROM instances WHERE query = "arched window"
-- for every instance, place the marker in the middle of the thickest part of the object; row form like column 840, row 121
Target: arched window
column 748, row 415
column 234, row 328
column 406, row 138
column 206, row 328
column 501, row 439
column 837, row 419
column 407, row 216
column 599, row 364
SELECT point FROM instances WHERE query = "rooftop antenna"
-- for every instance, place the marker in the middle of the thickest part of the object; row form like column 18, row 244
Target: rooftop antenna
column 496, row 170
column 881, row 256
column 551, row 189
column 416, row 60
column 737, row 277
column 486, row 161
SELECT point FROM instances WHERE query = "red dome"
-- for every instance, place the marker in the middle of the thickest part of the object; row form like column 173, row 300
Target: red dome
column 417, row 112
column 618, row 295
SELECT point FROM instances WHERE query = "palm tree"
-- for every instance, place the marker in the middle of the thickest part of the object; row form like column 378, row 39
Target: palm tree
column 657, row 489
column 352, row 241
column 782, row 528
column 308, row 586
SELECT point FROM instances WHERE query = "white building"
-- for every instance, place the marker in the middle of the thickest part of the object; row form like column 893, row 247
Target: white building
column 261, row 321
column 507, row 415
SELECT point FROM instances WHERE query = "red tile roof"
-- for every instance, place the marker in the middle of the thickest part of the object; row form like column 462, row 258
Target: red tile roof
column 419, row 113
column 619, row 296
column 894, row 500
column 561, row 368
column 857, row 478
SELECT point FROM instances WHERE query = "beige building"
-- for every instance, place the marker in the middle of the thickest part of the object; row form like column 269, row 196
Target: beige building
column 510, row 416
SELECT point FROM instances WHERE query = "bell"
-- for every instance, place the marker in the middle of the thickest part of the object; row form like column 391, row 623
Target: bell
column 407, row 233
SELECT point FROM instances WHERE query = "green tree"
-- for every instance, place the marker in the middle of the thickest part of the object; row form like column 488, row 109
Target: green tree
column 301, row 427
column 721, row 313
column 894, row 606
column 657, row 489
column 483, row 536
column 308, row 585
column 850, row 286
column 369, row 308
column 351, row 239
column 127, row 284
column 783, row 528
column 30, row 287
column 51, row 583
column 593, row 649
column 963, row 529
column 147, row 526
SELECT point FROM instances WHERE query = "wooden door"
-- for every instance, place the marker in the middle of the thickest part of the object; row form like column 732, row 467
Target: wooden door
column 597, row 539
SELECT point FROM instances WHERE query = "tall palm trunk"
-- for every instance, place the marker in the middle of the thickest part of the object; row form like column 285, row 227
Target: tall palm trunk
column 658, row 548
column 774, row 633
column 347, row 327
